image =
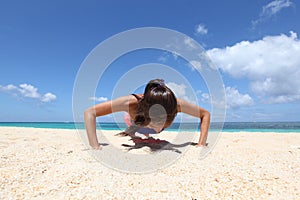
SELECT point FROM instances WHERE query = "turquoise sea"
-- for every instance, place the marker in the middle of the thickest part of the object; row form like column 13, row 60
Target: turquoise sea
column 284, row 127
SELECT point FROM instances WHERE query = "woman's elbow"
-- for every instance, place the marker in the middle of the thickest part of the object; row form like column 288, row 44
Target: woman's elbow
column 206, row 114
column 90, row 112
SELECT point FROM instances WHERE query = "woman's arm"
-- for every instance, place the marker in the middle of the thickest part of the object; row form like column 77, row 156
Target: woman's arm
column 196, row 111
column 105, row 108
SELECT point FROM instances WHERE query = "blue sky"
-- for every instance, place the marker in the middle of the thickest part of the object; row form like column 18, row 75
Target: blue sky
column 254, row 45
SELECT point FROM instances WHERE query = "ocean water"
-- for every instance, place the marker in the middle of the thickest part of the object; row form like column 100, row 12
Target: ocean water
column 283, row 127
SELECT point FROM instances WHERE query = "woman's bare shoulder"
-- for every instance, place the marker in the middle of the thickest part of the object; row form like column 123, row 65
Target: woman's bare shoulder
column 183, row 104
column 128, row 99
column 123, row 100
column 179, row 102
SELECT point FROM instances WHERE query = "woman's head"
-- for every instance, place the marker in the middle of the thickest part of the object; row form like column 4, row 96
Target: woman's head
column 158, row 106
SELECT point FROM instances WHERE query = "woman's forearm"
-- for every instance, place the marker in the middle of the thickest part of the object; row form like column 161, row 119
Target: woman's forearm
column 205, row 122
column 90, row 125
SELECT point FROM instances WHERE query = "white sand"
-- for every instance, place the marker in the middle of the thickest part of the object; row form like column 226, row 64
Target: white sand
column 53, row 164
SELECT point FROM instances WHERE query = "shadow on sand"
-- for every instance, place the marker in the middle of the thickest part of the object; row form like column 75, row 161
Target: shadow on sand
column 154, row 144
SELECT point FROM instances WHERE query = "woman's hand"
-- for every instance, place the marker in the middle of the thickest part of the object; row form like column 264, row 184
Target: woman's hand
column 105, row 108
column 97, row 147
column 196, row 111
column 201, row 145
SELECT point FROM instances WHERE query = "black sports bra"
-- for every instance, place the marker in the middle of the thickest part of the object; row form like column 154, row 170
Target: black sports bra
column 137, row 97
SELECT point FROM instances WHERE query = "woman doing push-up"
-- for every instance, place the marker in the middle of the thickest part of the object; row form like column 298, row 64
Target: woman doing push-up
column 149, row 113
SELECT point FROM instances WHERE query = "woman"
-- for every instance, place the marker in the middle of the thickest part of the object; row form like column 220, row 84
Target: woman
column 150, row 112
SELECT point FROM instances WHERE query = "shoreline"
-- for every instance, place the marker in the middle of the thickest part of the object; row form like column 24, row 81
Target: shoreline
column 277, row 131
column 278, row 127
column 53, row 163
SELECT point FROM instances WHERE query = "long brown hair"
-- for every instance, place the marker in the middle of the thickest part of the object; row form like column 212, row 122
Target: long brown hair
column 158, row 95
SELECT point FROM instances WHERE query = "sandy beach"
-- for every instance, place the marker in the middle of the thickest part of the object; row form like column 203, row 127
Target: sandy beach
column 54, row 164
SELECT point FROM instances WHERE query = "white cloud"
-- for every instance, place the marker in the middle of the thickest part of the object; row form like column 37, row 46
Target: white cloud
column 189, row 43
column 48, row 97
column 167, row 55
column 178, row 89
column 201, row 29
column 28, row 91
column 182, row 91
column 99, row 99
column 272, row 65
column 7, row 87
column 195, row 65
column 234, row 99
column 275, row 6
column 271, row 9
column 163, row 58
column 205, row 97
